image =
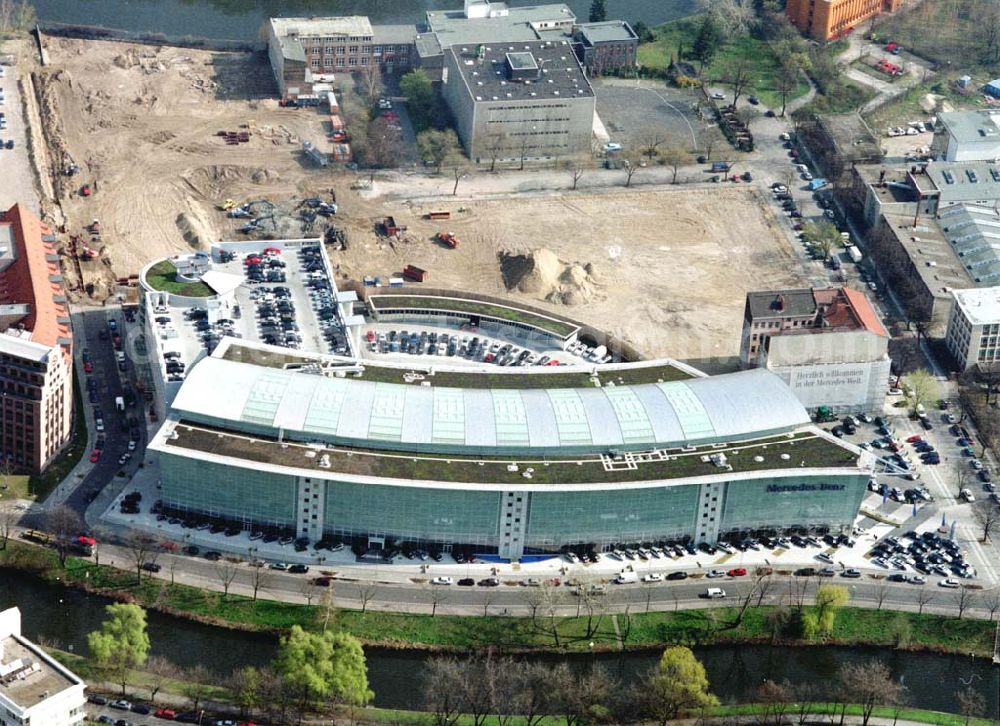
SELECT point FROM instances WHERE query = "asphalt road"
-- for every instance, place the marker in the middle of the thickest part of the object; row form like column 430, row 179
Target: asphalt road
column 88, row 326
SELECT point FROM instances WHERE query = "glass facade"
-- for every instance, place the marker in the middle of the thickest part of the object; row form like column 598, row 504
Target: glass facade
column 232, row 493
column 792, row 503
column 407, row 513
column 608, row 516
column 553, row 518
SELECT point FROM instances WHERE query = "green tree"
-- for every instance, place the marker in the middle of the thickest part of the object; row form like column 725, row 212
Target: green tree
column 319, row 666
column 823, row 237
column 437, row 147
column 122, row 643
column 829, row 599
column 598, row 11
column 807, row 625
column 707, row 42
column 677, row 684
column 417, row 88
column 919, row 388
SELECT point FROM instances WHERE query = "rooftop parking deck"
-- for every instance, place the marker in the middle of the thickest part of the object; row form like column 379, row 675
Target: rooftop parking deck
column 801, row 450
column 384, row 302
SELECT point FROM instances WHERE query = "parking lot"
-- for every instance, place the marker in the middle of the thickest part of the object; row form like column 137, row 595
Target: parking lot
column 408, row 343
column 17, row 186
column 630, row 109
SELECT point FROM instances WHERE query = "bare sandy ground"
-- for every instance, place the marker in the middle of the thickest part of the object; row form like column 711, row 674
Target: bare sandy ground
column 666, row 269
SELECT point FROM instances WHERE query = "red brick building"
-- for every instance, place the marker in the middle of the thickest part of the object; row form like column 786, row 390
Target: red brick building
column 830, row 19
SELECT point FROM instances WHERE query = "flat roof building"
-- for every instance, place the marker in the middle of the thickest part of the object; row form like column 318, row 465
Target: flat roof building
column 830, row 19
column 967, row 136
column 494, row 22
column 973, row 336
column 606, row 46
column 34, row 687
column 302, row 50
column 511, row 100
column 503, row 471
column 827, row 344
column 36, row 344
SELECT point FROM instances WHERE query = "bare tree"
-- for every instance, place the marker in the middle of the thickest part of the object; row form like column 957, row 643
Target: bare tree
column 8, row 518
column 531, row 692
column 924, row 596
column 159, row 671
column 371, row 81
column 987, row 516
column 225, row 573
column 64, row 523
column 675, row 157
column 459, row 172
column 738, row 74
column 710, row 138
column 971, row 703
column 630, row 169
column 488, row 596
column 650, row 140
column 765, row 582
column 328, row 607
column 991, row 601
column 196, row 684
column 776, row 698
column 496, row 142
column 384, row 144
column 437, row 595
column 441, row 686
column 880, row 593
column 367, row 589
column 308, row 590
column 869, row 684
column 552, row 600
column 142, row 551
column 260, row 579
column 807, row 696
column 576, row 172
column 964, row 599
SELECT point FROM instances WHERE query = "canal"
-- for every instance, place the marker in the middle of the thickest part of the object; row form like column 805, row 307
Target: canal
column 241, row 19
column 63, row 617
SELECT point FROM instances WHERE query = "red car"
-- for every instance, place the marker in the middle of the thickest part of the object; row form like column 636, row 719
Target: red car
column 88, row 367
column 252, row 261
column 894, row 447
column 737, row 572
column 95, row 456
column 914, row 439
column 167, row 714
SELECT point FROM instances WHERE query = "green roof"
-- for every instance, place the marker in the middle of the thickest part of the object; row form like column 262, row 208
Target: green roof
column 804, row 449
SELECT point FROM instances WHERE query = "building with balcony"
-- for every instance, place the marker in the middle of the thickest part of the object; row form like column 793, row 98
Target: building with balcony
column 36, row 345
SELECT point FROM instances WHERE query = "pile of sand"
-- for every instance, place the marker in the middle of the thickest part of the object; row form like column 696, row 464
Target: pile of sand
column 542, row 274
column 213, row 181
column 195, row 231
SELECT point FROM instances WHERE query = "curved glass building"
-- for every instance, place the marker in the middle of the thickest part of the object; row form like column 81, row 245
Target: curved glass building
column 501, row 470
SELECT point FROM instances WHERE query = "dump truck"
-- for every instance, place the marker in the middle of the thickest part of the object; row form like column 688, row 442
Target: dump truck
column 449, row 238
column 390, row 228
column 412, row 272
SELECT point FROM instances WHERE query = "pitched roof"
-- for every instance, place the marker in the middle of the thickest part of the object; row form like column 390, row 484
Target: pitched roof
column 35, row 280
column 865, row 313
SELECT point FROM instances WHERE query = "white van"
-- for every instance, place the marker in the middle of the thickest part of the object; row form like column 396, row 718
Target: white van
column 715, row 593
column 625, row 577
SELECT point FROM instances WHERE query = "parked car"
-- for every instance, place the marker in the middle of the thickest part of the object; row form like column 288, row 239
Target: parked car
column 442, row 580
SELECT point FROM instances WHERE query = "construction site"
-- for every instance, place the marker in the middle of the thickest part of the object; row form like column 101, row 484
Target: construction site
column 170, row 149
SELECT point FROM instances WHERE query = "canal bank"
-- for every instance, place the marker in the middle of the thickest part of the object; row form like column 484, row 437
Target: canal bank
column 242, row 19
column 63, row 616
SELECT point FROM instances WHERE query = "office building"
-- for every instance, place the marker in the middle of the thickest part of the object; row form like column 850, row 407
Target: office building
column 974, row 327
column 35, row 689
column 831, row 19
column 519, row 100
column 827, row 344
column 302, row 50
column 36, row 345
column 508, row 472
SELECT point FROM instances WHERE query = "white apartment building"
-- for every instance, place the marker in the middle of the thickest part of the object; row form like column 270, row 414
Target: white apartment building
column 35, row 688
column 974, row 326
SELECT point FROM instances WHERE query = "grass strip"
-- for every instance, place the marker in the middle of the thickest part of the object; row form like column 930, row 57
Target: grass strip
column 854, row 626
